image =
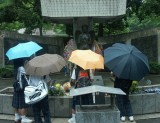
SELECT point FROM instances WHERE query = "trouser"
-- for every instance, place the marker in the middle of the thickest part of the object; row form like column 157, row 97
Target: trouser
column 124, row 105
column 43, row 106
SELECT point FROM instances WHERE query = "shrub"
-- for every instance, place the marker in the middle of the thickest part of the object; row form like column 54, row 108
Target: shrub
column 6, row 72
column 154, row 68
column 134, row 87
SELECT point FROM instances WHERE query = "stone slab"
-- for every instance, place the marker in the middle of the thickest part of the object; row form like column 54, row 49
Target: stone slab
column 99, row 97
column 62, row 106
column 157, row 102
column 107, row 99
column 98, row 81
column 97, row 114
column 149, row 103
column 7, row 104
column 1, row 105
column 136, row 102
column 95, row 88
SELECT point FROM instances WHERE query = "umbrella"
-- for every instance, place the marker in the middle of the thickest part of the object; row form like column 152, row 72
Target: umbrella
column 87, row 59
column 23, row 50
column 45, row 64
column 126, row 61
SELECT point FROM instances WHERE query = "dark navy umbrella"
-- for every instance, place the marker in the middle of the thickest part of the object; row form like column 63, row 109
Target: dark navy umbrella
column 126, row 61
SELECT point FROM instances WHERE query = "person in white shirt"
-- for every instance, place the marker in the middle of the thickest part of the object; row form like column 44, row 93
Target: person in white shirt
column 42, row 105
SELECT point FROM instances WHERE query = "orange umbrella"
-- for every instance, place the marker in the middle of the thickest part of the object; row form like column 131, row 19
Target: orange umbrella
column 87, row 59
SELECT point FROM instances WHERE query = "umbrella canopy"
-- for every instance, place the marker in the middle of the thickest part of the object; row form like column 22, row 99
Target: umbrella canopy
column 126, row 61
column 23, row 50
column 45, row 64
column 87, row 59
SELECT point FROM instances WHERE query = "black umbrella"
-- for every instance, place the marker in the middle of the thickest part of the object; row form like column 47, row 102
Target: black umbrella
column 126, row 61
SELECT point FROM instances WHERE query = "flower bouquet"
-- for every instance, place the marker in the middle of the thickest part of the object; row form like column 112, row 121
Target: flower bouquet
column 56, row 90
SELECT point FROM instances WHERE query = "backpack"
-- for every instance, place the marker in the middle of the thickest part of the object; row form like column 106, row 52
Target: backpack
column 82, row 79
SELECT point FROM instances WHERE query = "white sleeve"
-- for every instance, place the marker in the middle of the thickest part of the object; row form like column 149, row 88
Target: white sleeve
column 73, row 76
column 91, row 74
column 47, row 79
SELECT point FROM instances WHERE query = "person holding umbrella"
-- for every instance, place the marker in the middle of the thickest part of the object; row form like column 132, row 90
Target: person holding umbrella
column 86, row 61
column 38, row 70
column 42, row 105
column 81, row 78
column 18, row 102
column 127, row 63
column 18, row 54
column 123, row 101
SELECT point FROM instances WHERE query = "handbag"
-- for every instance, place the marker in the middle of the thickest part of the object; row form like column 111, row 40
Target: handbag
column 16, row 84
column 34, row 94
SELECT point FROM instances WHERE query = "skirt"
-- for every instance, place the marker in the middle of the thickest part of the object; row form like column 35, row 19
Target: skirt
column 18, row 100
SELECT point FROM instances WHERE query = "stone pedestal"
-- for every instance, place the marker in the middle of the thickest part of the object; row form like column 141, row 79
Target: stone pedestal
column 97, row 114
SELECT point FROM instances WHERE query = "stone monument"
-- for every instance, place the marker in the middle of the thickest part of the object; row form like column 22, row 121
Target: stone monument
column 97, row 113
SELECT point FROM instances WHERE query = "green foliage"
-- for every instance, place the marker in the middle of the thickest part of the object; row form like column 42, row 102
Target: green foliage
column 5, row 3
column 154, row 68
column 59, row 28
column 6, row 72
column 16, row 14
column 11, row 26
column 134, row 87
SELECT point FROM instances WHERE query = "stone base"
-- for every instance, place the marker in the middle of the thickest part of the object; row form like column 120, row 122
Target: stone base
column 97, row 114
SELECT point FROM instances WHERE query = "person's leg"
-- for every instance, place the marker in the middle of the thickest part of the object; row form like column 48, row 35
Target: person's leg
column 72, row 119
column 120, row 105
column 46, row 110
column 17, row 115
column 37, row 112
column 23, row 116
column 19, row 104
column 128, row 107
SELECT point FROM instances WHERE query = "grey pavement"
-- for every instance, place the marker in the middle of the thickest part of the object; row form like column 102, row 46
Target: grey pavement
column 10, row 119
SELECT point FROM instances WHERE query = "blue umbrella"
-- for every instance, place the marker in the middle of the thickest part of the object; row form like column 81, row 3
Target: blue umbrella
column 23, row 50
column 126, row 61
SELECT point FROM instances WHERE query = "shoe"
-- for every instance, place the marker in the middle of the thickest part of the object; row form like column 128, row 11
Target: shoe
column 26, row 120
column 123, row 118
column 17, row 119
column 131, row 118
column 72, row 120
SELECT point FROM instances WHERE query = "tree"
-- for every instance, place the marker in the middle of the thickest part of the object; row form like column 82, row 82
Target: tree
column 29, row 13
column 5, row 3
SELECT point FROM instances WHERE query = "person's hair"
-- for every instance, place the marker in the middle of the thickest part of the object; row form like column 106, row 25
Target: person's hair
column 18, row 62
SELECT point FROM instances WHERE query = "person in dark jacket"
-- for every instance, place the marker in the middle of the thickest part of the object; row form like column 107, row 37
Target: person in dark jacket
column 123, row 102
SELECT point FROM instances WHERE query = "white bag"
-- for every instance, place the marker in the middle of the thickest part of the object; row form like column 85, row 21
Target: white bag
column 35, row 94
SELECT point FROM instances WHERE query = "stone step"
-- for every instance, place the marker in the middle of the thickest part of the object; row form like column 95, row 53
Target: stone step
column 127, row 121
column 10, row 119
column 148, row 118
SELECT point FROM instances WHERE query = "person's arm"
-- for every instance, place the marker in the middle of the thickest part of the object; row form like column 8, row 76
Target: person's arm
column 91, row 75
column 47, row 79
column 73, row 78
